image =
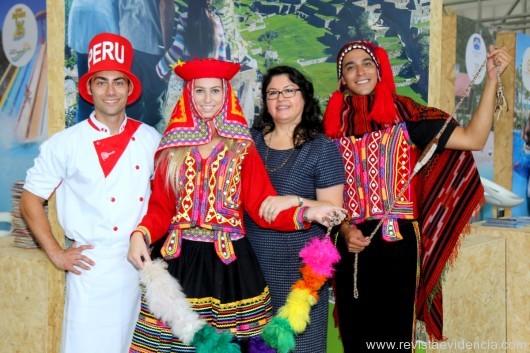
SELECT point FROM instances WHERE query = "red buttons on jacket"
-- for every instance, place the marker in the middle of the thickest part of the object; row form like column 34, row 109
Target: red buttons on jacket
column 115, row 228
column 112, row 199
column 141, row 199
column 137, row 167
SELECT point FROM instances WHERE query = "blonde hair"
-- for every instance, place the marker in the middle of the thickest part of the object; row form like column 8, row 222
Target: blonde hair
column 175, row 157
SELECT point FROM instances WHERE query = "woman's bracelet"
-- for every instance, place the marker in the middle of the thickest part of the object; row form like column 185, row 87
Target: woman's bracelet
column 300, row 201
column 145, row 233
column 305, row 217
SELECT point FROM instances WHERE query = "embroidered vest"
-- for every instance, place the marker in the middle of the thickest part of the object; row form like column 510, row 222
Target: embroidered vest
column 377, row 167
column 208, row 206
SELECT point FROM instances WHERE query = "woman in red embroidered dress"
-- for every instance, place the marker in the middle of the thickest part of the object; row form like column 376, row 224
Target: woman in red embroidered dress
column 207, row 173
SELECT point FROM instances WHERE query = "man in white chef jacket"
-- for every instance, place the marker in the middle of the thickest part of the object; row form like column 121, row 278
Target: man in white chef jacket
column 100, row 171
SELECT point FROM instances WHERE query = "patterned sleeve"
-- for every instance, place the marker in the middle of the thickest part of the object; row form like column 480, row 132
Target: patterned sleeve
column 176, row 51
column 256, row 186
column 329, row 168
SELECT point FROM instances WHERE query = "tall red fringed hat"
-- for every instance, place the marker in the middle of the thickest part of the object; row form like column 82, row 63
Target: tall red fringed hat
column 383, row 110
column 186, row 126
column 110, row 52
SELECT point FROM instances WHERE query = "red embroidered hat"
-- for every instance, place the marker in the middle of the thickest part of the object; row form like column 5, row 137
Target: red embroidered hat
column 110, row 52
column 206, row 68
column 383, row 110
column 186, row 126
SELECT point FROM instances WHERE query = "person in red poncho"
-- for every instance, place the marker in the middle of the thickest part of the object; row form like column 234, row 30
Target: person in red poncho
column 208, row 172
column 381, row 134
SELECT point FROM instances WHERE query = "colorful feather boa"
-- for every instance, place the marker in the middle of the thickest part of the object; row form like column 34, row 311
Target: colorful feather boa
column 168, row 303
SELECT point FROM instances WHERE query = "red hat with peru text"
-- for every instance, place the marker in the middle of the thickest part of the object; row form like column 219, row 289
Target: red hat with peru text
column 110, row 52
column 383, row 110
column 187, row 127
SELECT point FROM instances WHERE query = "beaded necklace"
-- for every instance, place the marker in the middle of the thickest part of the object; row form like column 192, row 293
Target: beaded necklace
column 275, row 169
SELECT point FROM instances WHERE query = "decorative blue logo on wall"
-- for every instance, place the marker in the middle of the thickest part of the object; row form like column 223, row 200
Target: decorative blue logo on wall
column 19, row 35
column 475, row 56
column 477, row 43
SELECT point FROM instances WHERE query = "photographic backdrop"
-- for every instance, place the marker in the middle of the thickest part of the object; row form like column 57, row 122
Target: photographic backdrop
column 306, row 34
column 23, row 90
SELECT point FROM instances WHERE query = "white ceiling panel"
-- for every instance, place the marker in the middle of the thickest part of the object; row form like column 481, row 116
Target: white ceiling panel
column 500, row 15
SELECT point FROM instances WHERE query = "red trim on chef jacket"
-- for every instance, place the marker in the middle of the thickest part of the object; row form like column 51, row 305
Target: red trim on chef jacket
column 110, row 149
column 92, row 124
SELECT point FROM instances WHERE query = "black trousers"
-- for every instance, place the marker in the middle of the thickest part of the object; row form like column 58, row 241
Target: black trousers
column 383, row 317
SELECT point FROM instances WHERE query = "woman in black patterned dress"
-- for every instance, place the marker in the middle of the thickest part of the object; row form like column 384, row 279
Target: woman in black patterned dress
column 306, row 168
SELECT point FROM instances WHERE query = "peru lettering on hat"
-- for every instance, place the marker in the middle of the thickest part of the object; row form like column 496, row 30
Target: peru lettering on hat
column 110, row 52
column 106, row 50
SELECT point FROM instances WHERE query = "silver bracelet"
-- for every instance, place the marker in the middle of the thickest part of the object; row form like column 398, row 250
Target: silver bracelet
column 304, row 216
column 300, row 201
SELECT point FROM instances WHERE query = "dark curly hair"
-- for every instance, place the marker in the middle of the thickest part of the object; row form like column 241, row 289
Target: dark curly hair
column 311, row 122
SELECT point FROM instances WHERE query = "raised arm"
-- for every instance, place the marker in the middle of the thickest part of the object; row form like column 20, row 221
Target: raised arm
column 473, row 137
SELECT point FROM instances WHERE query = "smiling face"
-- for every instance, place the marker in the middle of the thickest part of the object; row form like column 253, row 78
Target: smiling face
column 285, row 110
column 359, row 72
column 208, row 95
column 110, row 90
